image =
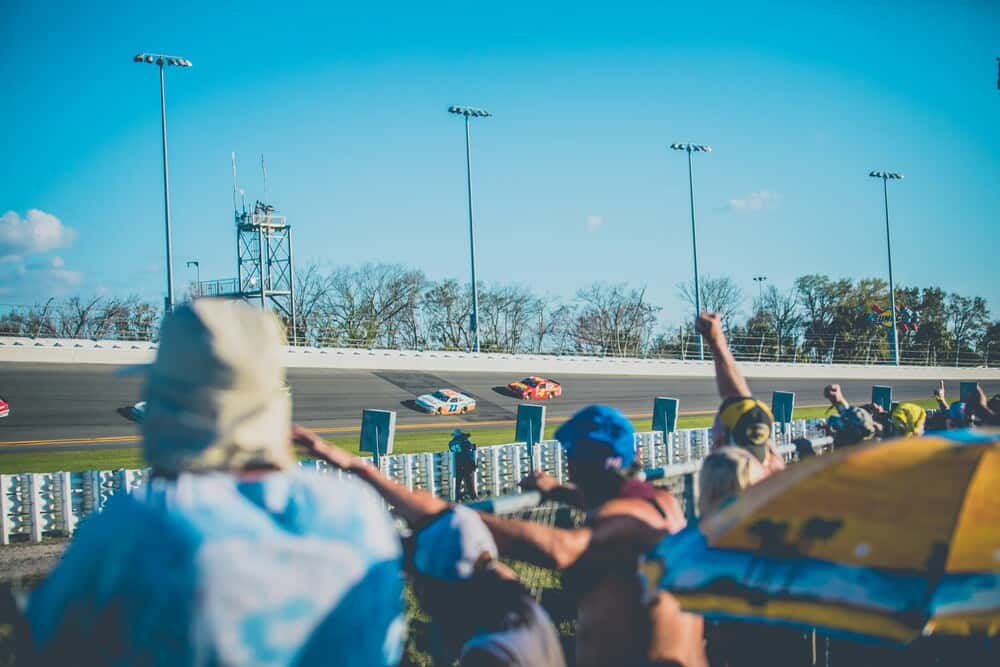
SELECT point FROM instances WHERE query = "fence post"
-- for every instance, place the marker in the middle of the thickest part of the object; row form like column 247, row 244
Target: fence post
column 35, row 498
column 5, row 508
column 495, row 486
column 69, row 521
column 516, row 463
column 558, row 456
column 408, row 471
column 691, row 495
column 429, row 468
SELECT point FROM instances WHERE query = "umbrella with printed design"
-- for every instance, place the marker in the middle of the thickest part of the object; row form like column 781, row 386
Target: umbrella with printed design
column 890, row 540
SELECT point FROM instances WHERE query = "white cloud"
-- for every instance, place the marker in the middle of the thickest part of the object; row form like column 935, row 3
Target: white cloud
column 594, row 222
column 36, row 232
column 755, row 201
column 38, row 279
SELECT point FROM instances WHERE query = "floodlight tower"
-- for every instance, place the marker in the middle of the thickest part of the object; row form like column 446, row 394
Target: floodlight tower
column 887, row 176
column 161, row 61
column 471, row 112
column 694, row 148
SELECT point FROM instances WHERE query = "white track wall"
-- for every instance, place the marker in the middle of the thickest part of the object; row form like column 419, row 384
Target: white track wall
column 60, row 351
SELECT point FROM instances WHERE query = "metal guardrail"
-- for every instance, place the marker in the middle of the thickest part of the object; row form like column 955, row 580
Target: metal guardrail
column 35, row 506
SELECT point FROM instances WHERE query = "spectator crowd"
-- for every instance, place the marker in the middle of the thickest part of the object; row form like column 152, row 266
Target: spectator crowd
column 233, row 555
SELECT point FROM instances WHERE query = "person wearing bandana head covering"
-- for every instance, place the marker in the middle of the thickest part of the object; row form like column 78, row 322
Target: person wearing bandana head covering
column 229, row 554
column 741, row 420
column 908, row 419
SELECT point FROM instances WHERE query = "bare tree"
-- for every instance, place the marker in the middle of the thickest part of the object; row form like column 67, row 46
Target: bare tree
column 366, row 306
column 718, row 295
column 782, row 310
column 446, row 307
column 505, row 313
column 613, row 320
column 550, row 325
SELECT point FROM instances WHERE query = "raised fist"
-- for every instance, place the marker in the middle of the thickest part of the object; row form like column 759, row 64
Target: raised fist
column 833, row 393
column 709, row 325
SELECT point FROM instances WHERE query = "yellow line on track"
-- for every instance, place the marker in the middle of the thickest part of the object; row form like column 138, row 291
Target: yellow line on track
column 331, row 430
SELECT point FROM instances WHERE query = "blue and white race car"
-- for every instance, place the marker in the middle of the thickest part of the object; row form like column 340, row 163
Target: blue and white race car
column 446, row 402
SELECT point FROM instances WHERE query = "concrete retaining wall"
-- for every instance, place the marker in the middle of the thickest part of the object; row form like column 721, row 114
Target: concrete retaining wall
column 64, row 351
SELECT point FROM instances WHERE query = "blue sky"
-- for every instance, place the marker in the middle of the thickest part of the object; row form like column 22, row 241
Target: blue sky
column 573, row 178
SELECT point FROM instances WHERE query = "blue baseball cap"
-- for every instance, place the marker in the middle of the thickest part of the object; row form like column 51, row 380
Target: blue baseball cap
column 599, row 433
column 957, row 411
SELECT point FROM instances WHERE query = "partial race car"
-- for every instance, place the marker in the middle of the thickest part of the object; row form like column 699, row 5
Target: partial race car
column 535, row 388
column 4, row 408
column 445, row 402
column 139, row 409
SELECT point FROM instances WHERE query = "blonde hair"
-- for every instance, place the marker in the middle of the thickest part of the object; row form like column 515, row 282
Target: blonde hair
column 724, row 474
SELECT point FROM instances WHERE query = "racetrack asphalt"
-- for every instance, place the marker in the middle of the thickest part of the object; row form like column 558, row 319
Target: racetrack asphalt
column 63, row 407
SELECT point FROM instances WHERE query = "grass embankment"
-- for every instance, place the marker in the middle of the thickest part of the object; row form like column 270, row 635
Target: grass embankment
column 407, row 442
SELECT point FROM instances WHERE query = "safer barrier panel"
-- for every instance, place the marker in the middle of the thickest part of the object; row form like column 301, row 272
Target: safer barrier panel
column 34, row 506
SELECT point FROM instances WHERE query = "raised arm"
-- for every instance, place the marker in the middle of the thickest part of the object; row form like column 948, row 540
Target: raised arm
column 411, row 505
column 728, row 377
column 835, row 395
column 939, row 396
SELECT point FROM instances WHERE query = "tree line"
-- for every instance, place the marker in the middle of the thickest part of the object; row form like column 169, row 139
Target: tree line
column 821, row 319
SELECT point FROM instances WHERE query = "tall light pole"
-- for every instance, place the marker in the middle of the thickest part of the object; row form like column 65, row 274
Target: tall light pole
column 694, row 148
column 760, row 290
column 887, row 176
column 197, row 273
column 471, row 112
column 161, row 61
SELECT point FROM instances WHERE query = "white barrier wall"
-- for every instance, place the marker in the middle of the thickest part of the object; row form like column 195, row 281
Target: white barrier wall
column 34, row 506
column 68, row 351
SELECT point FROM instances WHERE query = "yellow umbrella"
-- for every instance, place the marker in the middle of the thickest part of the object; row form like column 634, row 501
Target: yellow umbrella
column 889, row 540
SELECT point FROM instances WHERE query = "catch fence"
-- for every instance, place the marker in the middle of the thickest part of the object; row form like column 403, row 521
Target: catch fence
column 36, row 506
column 857, row 346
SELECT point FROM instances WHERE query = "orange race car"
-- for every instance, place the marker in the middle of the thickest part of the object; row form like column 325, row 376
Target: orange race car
column 535, row 388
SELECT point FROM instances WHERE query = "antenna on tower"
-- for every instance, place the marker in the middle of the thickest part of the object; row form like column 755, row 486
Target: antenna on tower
column 236, row 186
column 263, row 168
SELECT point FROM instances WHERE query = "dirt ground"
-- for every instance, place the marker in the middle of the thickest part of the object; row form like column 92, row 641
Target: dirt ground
column 21, row 564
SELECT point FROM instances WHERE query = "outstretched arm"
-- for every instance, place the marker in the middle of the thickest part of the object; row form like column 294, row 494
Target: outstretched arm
column 413, row 506
column 728, row 377
column 610, row 539
column 551, row 489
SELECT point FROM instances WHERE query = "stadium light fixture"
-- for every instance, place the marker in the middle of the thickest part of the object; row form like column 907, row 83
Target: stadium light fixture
column 161, row 60
column 467, row 113
column 760, row 289
column 694, row 148
column 887, row 176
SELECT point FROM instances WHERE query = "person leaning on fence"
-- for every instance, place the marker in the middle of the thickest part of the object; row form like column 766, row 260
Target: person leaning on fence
column 741, row 420
column 487, row 618
column 464, row 454
column 229, row 554
column 599, row 560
